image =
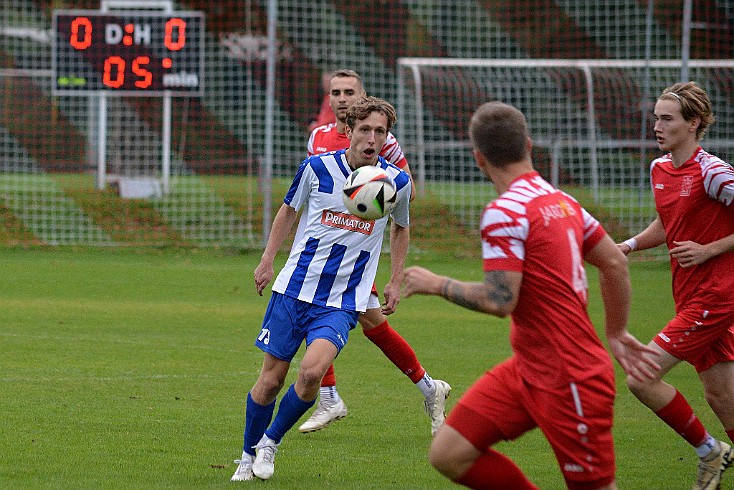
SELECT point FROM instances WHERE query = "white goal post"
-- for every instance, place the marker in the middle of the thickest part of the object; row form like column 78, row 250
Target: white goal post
column 591, row 123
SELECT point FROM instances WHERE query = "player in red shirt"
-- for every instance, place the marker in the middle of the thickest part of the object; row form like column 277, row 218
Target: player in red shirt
column 693, row 194
column 560, row 378
column 345, row 89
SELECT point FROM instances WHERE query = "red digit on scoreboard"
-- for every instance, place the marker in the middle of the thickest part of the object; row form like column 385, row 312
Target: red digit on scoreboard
column 95, row 51
column 138, row 69
column 180, row 26
column 119, row 78
column 75, row 25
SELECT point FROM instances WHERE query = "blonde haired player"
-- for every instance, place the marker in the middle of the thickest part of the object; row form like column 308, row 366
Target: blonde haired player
column 693, row 193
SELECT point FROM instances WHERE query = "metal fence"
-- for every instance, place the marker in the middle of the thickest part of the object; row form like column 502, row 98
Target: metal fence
column 205, row 167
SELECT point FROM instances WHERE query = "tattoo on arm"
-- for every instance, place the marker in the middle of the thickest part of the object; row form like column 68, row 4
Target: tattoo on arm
column 496, row 297
column 445, row 290
column 501, row 292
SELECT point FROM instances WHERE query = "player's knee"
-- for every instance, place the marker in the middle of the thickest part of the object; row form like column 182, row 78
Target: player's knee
column 310, row 376
column 266, row 389
column 637, row 386
column 445, row 461
column 440, row 460
column 371, row 318
column 719, row 400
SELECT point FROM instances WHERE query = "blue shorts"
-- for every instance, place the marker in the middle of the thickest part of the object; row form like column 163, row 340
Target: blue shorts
column 289, row 321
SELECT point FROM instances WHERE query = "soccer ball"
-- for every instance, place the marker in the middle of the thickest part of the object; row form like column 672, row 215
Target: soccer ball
column 369, row 193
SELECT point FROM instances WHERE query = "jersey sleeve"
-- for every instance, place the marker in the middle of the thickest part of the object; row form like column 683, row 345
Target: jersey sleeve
column 392, row 152
column 311, row 138
column 300, row 188
column 504, row 230
column 718, row 179
column 593, row 231
column 401, row 213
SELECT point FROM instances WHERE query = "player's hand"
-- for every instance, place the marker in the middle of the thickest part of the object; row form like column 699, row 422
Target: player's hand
column 263, row 275
column 637, row 359
column 624, row 248
column 690, row 253
column 391, row 293
column 419, row 280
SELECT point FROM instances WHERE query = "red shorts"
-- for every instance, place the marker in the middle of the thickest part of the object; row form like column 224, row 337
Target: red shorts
column 576, row 420
column 700, row 337
column 374, row 289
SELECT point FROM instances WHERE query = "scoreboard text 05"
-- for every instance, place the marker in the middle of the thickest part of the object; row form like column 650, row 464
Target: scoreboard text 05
column 127, row 53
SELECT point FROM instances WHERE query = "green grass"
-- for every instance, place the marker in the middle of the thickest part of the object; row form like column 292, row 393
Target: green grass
column 128, row 368
column 217, row 203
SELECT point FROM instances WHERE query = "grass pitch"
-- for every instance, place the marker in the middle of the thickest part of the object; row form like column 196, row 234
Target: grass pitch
column 128, row 368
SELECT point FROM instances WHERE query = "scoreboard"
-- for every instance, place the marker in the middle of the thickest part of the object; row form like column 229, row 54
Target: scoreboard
column 127, row 52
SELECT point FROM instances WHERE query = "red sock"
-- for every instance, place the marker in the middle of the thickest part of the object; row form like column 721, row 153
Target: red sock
column 329, row 378
column 679, row 415
column 495, row 471
column 394, row 346
column 730, row 433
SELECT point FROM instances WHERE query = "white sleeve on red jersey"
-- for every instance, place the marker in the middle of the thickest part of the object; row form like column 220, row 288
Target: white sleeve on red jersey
column 591, row 225
column 392, row 152
column 504, row 229
column 718, row 178
column 310, row 141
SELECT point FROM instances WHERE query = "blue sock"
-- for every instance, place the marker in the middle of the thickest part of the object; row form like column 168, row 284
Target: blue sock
column 291, row 409
column 257, row 419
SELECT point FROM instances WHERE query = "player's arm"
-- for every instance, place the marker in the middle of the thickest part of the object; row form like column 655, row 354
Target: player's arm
column 497, row 295
column 635, row 357
column 282, row 225
column 650, row 237
column 399, row 241
column 689, row 253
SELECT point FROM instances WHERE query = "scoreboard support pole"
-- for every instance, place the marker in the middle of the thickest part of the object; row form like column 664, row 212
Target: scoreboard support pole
column 166, row 150
column 101, row 140
column 105, row 6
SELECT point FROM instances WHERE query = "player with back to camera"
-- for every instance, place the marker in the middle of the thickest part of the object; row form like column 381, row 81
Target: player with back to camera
column 345, row 89
column 560, row 378
column 325, row 283
column 693, row 193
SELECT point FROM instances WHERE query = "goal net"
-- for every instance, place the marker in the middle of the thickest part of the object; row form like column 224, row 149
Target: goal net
column 591, row 123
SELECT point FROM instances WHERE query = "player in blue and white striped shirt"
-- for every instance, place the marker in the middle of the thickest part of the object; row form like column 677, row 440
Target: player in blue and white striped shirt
column 333, row 247
column 325, row 283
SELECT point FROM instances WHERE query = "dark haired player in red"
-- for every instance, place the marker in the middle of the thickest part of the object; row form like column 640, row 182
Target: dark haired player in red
column 560, row 378
column 693, row 193
column 345, row 89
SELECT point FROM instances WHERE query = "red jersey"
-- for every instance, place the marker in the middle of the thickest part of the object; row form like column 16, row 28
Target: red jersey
column 326, row 138
column 693, row 204
column 543, row 233
column 325, row 116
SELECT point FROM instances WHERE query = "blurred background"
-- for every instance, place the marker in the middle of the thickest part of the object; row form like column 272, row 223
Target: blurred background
column 201, row 155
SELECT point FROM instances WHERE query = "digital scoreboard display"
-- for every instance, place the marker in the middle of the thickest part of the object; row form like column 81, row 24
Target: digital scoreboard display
column 127, row 52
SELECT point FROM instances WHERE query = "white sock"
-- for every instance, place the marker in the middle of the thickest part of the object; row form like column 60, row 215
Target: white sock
column 427, row 386
column 329, row 395
column 708, row 445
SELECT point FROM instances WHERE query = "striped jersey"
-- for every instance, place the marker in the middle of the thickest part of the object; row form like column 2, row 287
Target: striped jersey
column 543, row 233
column 334, row 257
column 326, row 138
column 693, row 202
